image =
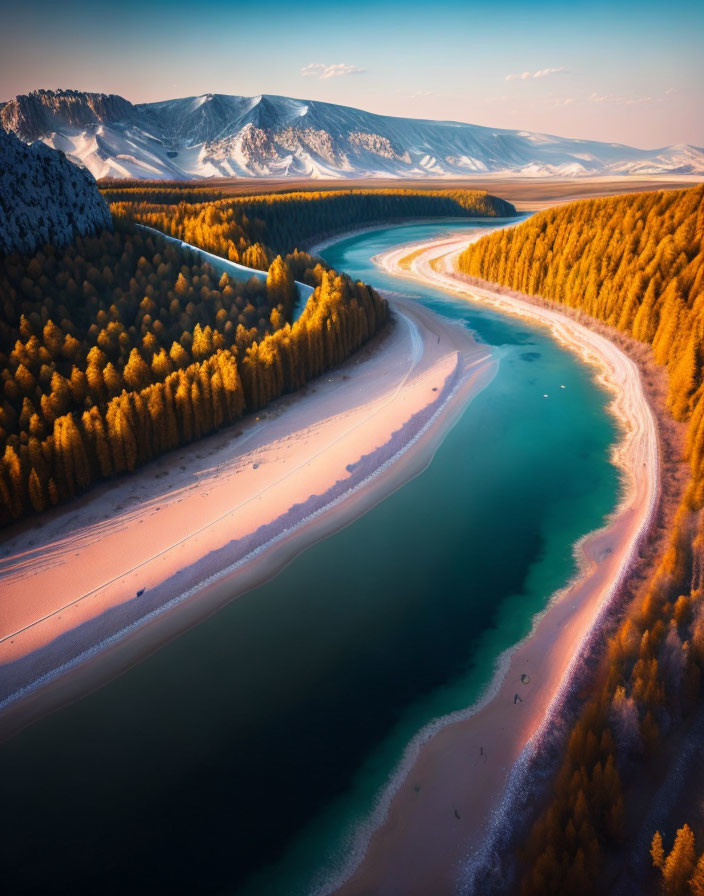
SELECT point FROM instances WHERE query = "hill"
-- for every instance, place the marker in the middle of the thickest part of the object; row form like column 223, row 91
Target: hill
column 44, row 198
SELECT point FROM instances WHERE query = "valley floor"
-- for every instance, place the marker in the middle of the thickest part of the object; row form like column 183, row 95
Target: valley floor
column 525, row 193
column 90, row 588
column 459, row 793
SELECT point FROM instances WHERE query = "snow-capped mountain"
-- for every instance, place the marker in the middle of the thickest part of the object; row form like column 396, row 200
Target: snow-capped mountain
column 44, row 198
column 275, row 136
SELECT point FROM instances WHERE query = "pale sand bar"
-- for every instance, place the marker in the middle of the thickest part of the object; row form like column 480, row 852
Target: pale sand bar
column 90, row 588
column 442, row 813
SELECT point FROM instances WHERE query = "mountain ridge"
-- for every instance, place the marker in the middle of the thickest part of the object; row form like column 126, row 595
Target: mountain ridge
column 268, row 135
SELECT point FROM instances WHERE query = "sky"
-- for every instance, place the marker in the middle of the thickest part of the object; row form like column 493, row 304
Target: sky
column 627, row 72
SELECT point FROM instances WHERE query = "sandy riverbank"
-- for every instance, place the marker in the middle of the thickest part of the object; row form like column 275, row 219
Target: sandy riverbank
column 442, row 816
column 89, row 589
column 323, row 242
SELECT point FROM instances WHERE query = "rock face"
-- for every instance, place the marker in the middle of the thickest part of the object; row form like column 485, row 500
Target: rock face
column 44, row 198
column 275, row 136
column 33, row 116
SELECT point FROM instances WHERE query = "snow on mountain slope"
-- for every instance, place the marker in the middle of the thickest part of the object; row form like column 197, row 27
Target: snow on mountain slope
column 44, row 198
column 274, row 136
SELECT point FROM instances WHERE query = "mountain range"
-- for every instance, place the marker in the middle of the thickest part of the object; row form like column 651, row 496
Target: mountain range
column 217, row 135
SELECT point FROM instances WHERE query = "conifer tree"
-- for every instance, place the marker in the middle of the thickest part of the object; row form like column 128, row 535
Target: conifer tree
column 680, row 864
column 656, row 851
column 696, row 883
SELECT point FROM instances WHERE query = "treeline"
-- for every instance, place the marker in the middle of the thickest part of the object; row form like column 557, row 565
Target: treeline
column 123, row 346
column 159, row 191
column 251, row 230
column 637, row 263
column 681, row 870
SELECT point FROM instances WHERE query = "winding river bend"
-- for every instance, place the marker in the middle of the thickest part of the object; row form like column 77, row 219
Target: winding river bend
column 244, row 757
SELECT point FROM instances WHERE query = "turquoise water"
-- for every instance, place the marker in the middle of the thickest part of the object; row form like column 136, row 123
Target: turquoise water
column 243, row 757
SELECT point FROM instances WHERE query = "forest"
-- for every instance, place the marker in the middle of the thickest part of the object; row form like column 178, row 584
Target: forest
column 682, row 868
column 251, row 229
column 635, row 262
column 123, row 346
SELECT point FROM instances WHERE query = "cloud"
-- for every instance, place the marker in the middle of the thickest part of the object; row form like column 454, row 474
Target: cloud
column 620, row 100
column 539, row 73
column 411, row 93
column 421, row 94
column 335, row 70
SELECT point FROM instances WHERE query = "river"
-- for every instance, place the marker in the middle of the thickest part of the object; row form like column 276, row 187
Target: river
column 244, row 757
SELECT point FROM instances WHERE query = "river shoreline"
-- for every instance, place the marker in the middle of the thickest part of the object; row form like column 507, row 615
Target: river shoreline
column 473, row 767
column 90, row 591
column 323, row 241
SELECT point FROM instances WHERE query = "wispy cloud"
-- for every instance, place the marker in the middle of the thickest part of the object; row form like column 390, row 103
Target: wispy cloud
column 539, row 73
column 411, row 93
column 621, row 100
column 334, row 70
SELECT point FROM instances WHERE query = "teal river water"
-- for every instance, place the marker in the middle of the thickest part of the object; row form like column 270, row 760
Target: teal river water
column 242, row 757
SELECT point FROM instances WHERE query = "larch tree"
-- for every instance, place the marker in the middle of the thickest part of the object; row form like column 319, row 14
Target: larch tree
column 680, row 864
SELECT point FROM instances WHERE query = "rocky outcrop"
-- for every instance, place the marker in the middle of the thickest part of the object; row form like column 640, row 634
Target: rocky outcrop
column 37, row 114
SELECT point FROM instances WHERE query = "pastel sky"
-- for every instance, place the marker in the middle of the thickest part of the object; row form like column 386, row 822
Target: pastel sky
column 628, row 72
